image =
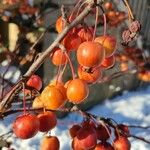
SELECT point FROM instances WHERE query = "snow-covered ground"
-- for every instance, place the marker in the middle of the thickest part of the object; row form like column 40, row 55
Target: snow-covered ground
column 131, row 108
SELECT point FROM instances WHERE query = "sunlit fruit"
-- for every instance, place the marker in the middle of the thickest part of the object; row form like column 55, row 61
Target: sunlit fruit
column 122, row 130
column 90, row 54
column 111, row 15
column 108, row 62
column 108, row 42
column 124, row 66
column 87, row 138
column 144, row 76
column 35, row 82
column 122, row 16
column 104, row 146
column 58, row 57
column 114, row 23
column 67, row 83
column 89, row 76
column 108, row 6
column 37, row 103
column 75, row 144
column 121, row 143
column 124, row 58
column 77, row 91
column 59, row 24
column 53, row 97
column 48, row 121
column 50, row 143
column 74, row 130
column 60, row 86
column 26, row 126
column 85, row 33
column 88, row 123
column 103, row 133
column 72, row 41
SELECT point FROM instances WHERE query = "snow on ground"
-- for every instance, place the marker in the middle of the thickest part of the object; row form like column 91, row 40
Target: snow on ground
column 131, row 108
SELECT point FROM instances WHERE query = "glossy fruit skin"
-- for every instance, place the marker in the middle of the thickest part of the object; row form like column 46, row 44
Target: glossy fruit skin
column 48, row 121
column 74, row 130
column 35, row 82
column 124, row 129
column 72, row 42
column 102, row 133
column 89, row 77
column 53, row 97
column 50, row 143
column 90, row 54
column 121, row 143
column 88, row 123
column 111, row 15
column 104, row 146
column 108, row 6
column 85, row 33
column 75, row 144
column 122, row 16
column 58, row 57
column 60, row 86
column 124, row 66
column 26, row 126
column 37, row 103
column 144, row 76
column 108, row 62
column 77, row 91
column 59, row 25
column 67, row 83
column 109, row 43
column 124, row 58
column 87, row 138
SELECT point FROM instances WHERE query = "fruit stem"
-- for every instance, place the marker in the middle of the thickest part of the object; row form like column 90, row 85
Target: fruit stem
column 80, row 8
column 44, row 110
column 96, row 21
column 107, row 130
column 105, row 20
column 24, row 98
column 71, row 65
column 130, row 14
column 59, row 70
column 105, row 24
column 75, row 7
column 64, row 68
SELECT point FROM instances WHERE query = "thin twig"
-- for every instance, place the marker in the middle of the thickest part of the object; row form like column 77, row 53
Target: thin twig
column 138, row 126
column 116, row 75
column 64, row 16
column 139, row 138
column 9, row 132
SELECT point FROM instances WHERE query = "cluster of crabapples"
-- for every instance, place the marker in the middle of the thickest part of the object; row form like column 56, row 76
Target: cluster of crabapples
column 114, row 17
column 91, row 136
column 88, row 135
column 135, row 56
column 94, row 55
column 28, row 125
